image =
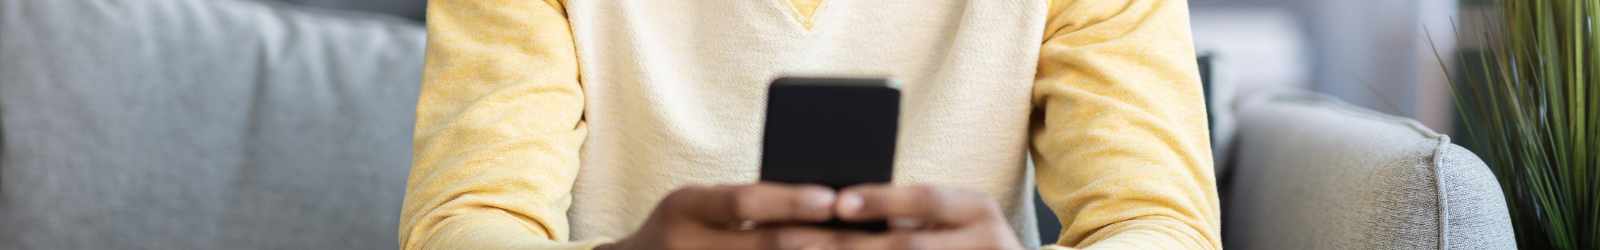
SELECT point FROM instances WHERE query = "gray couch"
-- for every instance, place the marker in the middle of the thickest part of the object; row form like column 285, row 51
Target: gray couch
column 203, row 124
column 1310, row 172
column 231, row 124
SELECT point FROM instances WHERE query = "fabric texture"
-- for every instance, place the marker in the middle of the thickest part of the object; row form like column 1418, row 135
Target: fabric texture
column 549, row 125
column 1315, row 173
column 1475, row 215
column 202, row 124
column 1120, row 136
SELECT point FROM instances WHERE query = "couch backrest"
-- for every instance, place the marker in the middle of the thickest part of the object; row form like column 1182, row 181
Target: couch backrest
column 1314, row 173
column 202, row 124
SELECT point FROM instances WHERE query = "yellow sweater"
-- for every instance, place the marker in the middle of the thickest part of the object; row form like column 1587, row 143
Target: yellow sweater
column 556, row 124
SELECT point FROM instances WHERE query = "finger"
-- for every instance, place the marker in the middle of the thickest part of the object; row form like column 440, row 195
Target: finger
column 956, row 239
column 926, row 204
column 803, row 237
column 757, row 203
column 783, row 237
column 895, row 240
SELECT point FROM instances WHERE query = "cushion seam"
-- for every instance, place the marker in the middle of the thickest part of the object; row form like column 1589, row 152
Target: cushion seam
column 321, row 12
column 1439, row 187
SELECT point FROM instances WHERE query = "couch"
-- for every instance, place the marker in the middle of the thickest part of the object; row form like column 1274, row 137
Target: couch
column 234, row 124
column 203, row 124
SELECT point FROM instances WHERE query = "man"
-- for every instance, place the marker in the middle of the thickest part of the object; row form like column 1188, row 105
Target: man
column 636, row 124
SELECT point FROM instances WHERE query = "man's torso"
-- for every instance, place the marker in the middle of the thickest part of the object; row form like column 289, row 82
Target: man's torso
column 676, row 93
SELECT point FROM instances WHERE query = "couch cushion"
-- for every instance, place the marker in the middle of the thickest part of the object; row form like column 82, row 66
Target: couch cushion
column 1315, row 173
column 409, row 9
column 202, row 124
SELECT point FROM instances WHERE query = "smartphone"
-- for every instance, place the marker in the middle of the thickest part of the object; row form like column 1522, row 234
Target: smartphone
column 835, row 132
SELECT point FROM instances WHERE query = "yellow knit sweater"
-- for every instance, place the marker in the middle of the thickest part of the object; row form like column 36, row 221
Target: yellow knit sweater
column 557, row 125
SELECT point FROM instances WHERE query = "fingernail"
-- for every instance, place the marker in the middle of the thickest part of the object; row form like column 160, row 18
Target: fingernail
column 819, row 200
column 849, row 204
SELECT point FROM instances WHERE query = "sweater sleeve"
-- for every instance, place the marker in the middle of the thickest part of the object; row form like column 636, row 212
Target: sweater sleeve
column 1119, row 137
column 499, row 126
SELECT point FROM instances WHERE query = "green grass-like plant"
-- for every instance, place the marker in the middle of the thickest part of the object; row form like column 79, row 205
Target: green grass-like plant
column 1530, row 106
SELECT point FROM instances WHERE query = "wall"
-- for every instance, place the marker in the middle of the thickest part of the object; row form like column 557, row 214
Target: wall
column 1371, row 53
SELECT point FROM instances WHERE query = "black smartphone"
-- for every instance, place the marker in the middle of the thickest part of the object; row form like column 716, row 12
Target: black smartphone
column 835, row 132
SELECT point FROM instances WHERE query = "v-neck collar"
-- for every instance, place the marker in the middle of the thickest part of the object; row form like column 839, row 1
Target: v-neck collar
column 804, row 12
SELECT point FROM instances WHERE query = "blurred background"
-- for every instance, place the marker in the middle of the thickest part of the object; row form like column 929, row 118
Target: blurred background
column 1372, row 53
column 286, row 124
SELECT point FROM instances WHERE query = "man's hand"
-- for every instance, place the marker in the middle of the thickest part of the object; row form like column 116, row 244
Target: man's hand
column 771, row 216
column 736, row 217
column 923, row 217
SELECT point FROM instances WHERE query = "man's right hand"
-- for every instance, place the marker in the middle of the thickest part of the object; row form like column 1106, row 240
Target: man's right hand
column 753, row 216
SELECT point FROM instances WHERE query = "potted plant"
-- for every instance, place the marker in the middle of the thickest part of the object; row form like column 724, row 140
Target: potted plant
column 1529, row 105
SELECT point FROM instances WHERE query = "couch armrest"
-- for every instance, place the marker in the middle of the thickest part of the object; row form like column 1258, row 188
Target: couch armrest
column 1314, row 173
